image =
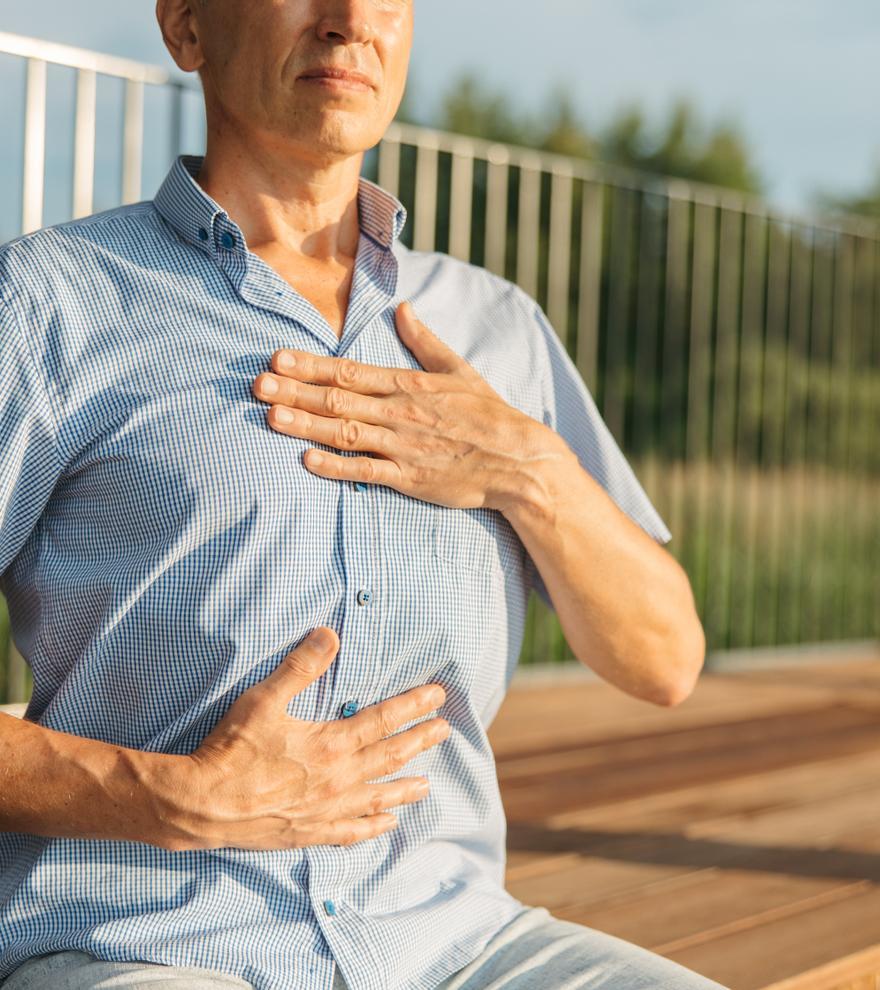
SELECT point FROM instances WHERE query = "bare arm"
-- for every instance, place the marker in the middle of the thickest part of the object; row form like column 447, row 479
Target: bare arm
column 56, row 784
column 624, row 603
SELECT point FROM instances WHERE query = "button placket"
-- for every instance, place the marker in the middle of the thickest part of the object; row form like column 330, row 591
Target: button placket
column 351, row 688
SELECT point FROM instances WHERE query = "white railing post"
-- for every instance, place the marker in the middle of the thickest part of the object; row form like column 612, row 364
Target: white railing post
column 133, row 141
column 497, row 173
column 461, row 201
column 559, row 250
column 34, row 146
column 425, row 219
column 528, row 224
column 84, row 143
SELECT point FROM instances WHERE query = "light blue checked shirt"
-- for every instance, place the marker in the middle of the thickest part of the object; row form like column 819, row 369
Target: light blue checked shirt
column 162, row 548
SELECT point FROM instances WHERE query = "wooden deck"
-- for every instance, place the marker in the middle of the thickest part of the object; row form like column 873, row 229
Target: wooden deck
column 738, row 833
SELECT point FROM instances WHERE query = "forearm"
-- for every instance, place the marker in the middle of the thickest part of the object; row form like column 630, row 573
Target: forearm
column 624, row 604
column 59, row 785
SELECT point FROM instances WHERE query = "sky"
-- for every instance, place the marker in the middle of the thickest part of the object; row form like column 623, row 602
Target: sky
column 799, row 77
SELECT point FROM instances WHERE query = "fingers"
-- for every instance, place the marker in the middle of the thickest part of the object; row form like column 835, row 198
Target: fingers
column 431, row 352
column 377, row 721
column 389, row 755
column 347, row 831
column 367, row 379
column 332, row 401
column 344, row 434
column 370, row 470
column 304, row 664
column 370, row 799
column 342, row 832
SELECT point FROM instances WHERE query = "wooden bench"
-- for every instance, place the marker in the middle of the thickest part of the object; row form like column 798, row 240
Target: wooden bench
column 737, row 833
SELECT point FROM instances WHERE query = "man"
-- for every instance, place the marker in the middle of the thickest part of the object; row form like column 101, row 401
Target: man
column 190, row 801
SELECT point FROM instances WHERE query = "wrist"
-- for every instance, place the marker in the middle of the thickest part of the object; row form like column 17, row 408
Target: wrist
column 169, row 787
column 532, row 495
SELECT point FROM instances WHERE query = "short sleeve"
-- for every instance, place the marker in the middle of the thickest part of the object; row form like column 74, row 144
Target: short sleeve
column 29, row 459
column 569, row 410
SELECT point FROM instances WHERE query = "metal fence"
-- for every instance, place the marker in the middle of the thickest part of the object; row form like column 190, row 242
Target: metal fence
column 734, row 351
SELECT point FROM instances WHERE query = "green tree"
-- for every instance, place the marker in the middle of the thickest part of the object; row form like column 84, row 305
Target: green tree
column 469, row 107
column 682, row 147
column 865, row 203
column 563, row 133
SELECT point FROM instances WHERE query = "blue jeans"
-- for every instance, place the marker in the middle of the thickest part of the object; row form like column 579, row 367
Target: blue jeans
column 535, row 951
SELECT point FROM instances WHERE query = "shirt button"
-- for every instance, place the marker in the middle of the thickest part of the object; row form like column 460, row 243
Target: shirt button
column 227, row 240
column 360, row 486
column 203, row 234
column 364, row 597
column 329, row 907
column 349, row 708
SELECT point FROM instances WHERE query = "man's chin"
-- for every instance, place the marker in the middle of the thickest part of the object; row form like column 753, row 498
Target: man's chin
column 338, row 132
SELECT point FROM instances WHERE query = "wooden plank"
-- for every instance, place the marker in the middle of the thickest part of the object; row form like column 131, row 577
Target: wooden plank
column 596, row 775
column 610, row 865
column 825, row 780
column 531, row 715
column 809, row 822
column 778, row 950
column 715, row 904
column 859, row 971
column 567, row 881
column 739, row 838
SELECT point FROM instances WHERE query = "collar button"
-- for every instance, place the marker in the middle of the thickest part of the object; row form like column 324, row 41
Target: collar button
column 203, row 234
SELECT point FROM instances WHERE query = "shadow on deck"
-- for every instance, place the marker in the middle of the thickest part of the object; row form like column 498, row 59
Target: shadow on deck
column 738, row 833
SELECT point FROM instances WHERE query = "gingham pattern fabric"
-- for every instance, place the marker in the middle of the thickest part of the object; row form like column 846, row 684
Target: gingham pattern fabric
column 161, row 550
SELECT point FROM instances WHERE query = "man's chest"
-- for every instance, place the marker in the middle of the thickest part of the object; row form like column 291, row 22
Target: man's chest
column 169, row 447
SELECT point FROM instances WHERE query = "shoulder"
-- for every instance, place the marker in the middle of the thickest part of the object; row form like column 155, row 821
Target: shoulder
column 62, row 254
column 487, row 319
column 445, row 288
column 423, row 270
column 471, row 301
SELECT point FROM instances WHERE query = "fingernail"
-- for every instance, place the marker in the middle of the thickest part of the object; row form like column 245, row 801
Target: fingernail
column 284, row 416
column 286, row 361
column 269, row 386
column 322, row 638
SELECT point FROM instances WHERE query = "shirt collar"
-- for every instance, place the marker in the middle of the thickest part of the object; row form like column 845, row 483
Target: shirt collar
column 200, row 220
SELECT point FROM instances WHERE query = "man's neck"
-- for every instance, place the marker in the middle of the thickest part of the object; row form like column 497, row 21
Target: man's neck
column 283, row 203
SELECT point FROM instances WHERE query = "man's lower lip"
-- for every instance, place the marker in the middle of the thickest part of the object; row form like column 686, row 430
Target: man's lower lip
column 335, row 83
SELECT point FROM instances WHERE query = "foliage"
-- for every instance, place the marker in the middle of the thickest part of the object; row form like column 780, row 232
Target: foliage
column 865, row 203
column 682, row 147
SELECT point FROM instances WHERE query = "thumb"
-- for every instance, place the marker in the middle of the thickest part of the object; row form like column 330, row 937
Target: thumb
column 304, row 664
